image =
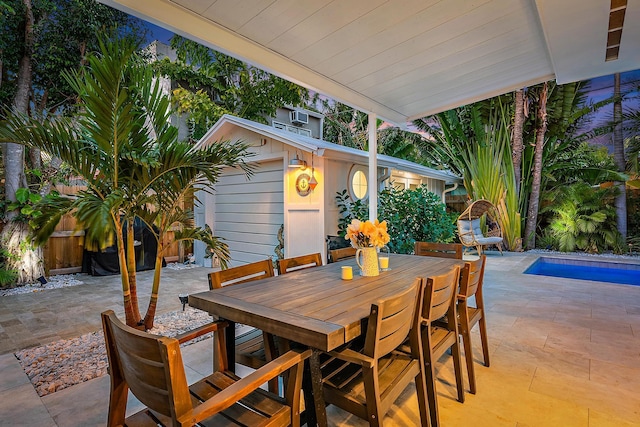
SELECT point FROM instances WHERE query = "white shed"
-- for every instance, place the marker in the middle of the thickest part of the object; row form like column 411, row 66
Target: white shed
column 251, row 213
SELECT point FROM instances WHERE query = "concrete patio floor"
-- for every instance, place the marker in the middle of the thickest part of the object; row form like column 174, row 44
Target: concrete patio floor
column 563, row 352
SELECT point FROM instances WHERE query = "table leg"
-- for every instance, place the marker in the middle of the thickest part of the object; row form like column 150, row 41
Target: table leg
column 315, row 410
column 230, row 342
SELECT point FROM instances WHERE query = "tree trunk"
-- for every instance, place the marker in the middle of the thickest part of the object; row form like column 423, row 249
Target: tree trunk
column 619, row 158
column 26, row 259
column 131, row 272
column 517, row 145
column 153, row 301
column 534, row 197
column 129, row 315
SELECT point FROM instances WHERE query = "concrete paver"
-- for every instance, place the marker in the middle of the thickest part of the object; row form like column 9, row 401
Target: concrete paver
column 564, row 352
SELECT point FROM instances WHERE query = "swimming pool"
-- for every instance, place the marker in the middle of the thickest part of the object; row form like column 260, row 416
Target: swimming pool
column 599, row 271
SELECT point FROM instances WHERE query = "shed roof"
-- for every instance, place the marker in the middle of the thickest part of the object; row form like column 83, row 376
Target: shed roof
column 322, row 148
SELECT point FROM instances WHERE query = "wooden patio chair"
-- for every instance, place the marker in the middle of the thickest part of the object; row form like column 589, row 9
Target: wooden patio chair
column 151, row 367
column 254, row 348
column 471, row 281
column 442, row 250
column 470, row 226
column 336, row 255
column 288, row 265
column 439, row 302
column 368, row 381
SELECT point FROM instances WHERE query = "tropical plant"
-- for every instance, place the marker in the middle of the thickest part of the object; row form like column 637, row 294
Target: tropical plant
column 39, row 39
column 122, row 144
column 211, row 84
column 474, row 141
column 583, row 218
column 411, row 215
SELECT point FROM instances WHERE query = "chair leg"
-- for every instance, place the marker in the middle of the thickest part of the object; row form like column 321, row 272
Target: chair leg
column 430, row 378
column 270, row 354
column 421, row 390
column 465, row 332
column 484, row 340
column 457, row 367
column 373, row 397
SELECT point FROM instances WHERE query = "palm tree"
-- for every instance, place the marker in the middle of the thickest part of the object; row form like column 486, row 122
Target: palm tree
column 130, row 157
column 474, row 142
column 619, row 157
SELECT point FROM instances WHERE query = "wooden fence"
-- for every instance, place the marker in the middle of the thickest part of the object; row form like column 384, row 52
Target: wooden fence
column 63, row 251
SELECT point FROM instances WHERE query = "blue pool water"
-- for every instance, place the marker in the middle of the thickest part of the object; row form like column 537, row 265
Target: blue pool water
column 612, row 272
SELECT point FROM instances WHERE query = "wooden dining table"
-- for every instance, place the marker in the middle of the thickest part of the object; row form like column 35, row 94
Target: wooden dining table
column 315, row 307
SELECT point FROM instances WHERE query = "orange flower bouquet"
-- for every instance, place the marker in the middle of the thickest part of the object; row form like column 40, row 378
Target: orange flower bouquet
column 367, row 234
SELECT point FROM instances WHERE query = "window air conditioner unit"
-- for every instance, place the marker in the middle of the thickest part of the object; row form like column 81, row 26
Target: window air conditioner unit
column 298, row 117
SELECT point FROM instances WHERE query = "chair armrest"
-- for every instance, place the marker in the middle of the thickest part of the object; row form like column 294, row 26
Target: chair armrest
column 245, row 386
column 352, row 356
column 204, row 329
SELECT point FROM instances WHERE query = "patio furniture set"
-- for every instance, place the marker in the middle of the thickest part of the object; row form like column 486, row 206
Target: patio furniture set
column 356, row 344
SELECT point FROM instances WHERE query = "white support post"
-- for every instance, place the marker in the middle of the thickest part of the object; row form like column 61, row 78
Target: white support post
column 373, row 167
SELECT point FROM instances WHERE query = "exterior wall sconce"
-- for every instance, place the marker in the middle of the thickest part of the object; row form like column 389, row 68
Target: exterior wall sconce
column 296, row 162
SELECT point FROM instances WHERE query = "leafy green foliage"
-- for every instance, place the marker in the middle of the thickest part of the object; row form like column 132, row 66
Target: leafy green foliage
column 474, row 141
column 583, row 218
column 123, row 145
column 349, row 210
column 7, row 275
column 411, row 215
column 66, row 31
column 212, row 84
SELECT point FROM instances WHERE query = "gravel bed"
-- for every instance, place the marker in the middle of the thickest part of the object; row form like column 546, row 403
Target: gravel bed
column 53, row 282
column 61, row 364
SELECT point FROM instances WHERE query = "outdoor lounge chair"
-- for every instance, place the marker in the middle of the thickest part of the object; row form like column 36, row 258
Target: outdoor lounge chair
column 470, row 226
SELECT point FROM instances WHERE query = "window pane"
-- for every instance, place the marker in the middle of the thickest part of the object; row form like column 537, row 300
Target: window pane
column 359, row 185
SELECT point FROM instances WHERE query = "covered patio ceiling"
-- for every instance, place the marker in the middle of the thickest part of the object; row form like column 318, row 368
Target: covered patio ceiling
column 405, row 59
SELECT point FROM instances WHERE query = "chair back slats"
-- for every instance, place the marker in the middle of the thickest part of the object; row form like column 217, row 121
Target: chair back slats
column 241, row 274
column 439, row 292
column 336, row 255
column 150, row 365
column 390, row 322
column 288, row 265
column 442, row 250
column 471, row 276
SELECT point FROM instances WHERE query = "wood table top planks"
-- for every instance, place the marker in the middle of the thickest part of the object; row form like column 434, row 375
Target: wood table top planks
column 315, row 306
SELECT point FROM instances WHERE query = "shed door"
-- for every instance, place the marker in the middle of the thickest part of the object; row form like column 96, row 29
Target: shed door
column 249, row 212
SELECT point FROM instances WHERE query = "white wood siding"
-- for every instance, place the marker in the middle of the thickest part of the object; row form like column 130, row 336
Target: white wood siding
column 248, row 213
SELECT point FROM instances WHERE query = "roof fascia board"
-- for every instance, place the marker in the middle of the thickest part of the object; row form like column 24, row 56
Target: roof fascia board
column 327, row 149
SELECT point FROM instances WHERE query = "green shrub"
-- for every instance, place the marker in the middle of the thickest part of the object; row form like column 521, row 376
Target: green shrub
column 411, row 215
column 7, row 276
column 583, row 218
